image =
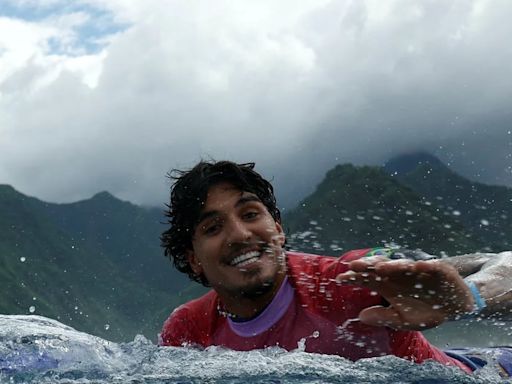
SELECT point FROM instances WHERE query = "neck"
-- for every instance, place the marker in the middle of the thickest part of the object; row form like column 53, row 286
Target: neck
column 240, row 307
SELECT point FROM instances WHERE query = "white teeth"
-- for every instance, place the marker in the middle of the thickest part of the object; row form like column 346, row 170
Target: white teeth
column 244, row 259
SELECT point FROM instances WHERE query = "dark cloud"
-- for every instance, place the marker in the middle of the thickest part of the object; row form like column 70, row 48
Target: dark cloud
column 296, row 91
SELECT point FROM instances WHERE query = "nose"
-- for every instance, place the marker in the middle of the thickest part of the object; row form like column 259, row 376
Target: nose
column 238, row 232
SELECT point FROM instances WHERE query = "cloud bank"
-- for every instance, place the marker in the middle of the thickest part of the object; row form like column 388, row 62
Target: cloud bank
column 110, row 95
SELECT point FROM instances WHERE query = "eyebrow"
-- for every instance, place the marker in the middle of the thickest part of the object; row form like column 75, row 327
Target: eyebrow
column 243, row 200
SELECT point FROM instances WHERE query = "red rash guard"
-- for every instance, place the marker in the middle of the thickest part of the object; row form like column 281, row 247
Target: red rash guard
column 310, row 309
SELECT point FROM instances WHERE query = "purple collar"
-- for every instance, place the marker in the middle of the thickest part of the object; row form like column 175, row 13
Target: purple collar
column 270, row 315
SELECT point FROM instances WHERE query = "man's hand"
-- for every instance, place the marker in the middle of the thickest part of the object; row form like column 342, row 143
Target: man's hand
column 421, row 294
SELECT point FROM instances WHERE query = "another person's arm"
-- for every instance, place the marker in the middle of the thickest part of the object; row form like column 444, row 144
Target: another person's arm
column 492, row 275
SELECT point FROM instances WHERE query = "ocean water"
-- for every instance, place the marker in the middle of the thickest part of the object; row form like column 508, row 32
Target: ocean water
column 35, row 349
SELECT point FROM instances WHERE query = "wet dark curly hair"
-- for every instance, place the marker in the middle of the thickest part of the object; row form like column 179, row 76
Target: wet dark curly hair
column 188, row 196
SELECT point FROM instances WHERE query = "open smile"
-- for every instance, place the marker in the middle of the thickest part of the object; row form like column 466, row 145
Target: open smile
column 245, row 259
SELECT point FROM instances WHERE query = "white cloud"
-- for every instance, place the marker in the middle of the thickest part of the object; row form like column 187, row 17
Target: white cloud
column 38, row 4
column 294, row 86
column 29, row 43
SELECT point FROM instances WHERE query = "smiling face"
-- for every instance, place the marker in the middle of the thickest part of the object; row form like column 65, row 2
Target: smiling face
column 237, row 245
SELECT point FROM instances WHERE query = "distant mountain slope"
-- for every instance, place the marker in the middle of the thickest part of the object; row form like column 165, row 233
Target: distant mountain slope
column 485, row 210
column 358, row 207
column 95, row 264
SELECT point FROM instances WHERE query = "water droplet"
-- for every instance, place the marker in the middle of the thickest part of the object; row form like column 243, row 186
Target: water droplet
column 418, row 286
column 32, row 309
column 23, row 259
column 301, row 345
column 315, row 334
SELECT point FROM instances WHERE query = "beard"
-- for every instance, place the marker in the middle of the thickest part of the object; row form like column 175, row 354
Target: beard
column 261, row 287
column 257, row 290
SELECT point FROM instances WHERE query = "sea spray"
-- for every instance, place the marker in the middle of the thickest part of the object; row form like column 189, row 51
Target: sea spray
column 39, row 350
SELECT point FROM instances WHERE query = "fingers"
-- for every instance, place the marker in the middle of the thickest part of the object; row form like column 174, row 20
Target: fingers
column 365, row 279
column 367, row 263
column 379, row 316
column 406, row 281
column 421, row 294
column 396, row 268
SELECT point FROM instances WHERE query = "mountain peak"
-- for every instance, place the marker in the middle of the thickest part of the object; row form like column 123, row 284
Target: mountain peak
column 409, row 162
column 7, row 187
column 104, row 195
column 7, row 191
column 105, row 198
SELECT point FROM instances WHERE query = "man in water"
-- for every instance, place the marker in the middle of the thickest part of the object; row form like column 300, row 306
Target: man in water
column 226, row 233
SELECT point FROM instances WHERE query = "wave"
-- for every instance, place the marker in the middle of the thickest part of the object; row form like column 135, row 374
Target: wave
column 35, row 349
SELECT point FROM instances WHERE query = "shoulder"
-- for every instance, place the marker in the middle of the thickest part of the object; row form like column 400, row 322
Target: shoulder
column 313, row 278
column 190, row 322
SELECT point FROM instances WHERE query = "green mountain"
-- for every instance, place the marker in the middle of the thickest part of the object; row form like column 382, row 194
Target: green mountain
column 95, row 265
column 484, row 210
column 359, row 207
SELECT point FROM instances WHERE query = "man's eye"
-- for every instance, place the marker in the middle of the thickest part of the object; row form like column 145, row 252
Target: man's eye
column 250, row 215
column 211, row 229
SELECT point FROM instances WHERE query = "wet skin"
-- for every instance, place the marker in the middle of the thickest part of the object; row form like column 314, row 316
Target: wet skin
column 421, row 294
column 238, row 247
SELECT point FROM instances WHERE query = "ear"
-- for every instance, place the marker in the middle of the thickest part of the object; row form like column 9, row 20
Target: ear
column 282, row 236
column 195, row 264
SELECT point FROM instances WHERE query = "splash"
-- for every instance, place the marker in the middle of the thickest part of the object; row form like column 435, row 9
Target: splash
column 35, row 349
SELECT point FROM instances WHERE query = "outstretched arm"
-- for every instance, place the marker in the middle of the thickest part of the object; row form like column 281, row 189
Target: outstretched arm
column 421, row 294
column 492, row 275
column 470, row 263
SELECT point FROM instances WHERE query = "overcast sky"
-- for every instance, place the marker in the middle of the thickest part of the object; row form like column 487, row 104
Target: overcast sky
column 111, row 94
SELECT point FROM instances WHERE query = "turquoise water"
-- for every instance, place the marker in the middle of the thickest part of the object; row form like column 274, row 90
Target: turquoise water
column 34, row 349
